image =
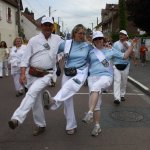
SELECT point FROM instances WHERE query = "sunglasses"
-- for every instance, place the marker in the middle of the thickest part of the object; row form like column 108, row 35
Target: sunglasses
column 47, row 24
column 98, row 38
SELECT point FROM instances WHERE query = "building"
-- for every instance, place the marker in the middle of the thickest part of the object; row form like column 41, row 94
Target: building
column 28, row 24
column 9, row 20
column 110, row 21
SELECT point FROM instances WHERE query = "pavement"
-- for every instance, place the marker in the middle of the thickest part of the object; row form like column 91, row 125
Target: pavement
column 140, row 76
column 124, row 127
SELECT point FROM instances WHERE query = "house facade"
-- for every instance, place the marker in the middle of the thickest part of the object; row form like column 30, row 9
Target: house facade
column 110, row 24
column 110, row 21
column 29, row 25
column 9, row 20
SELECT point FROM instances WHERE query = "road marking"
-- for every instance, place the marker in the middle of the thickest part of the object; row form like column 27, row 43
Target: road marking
column 134, row 94
column 140, row 84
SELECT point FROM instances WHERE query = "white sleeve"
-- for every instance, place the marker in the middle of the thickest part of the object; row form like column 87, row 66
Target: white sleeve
column 27, row 55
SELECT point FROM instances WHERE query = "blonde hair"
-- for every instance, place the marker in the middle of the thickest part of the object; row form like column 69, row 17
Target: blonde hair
column 14, row 42
column 76, row 29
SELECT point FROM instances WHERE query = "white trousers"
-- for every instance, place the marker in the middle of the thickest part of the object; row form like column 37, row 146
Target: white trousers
column 98, row 83
column 70, row 86
column 33, row 100
column 1, row 68
column 6, row 70
column 16, row 78
column 120, row 82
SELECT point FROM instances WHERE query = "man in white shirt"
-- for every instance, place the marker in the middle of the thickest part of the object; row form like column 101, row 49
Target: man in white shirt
column 121, row 68
column 37, row 69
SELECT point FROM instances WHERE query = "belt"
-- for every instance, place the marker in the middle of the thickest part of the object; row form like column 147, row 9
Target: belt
column 39, row 72
column 49, row 69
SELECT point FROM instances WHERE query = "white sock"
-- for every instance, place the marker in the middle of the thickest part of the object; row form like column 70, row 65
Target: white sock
column 97, row 125
column 90, row 112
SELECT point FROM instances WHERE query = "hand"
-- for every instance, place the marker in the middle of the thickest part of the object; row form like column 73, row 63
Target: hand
column 23, row 79
column 58, row 72
column 134, row 41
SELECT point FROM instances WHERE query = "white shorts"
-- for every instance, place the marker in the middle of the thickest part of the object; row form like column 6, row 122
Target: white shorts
column 98, row 83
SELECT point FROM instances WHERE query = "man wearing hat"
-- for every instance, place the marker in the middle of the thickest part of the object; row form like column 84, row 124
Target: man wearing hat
column 37, row 69
column 121, row 68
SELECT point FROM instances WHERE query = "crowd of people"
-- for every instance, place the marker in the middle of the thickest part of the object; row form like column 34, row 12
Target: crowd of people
column 97, row 61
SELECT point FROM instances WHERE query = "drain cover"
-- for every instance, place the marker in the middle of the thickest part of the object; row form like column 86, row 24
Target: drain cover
column 126, row 116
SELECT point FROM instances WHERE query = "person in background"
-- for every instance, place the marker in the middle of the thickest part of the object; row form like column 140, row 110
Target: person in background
column 121, row 68
column 143, row 50
column 6, row 55
column 75, row 73
column 2, row 57
column 37, row 68
column 16, row 53
column 100, row 76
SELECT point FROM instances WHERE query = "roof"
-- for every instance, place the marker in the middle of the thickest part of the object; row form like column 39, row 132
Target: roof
column 14, row 3
column 30, row 18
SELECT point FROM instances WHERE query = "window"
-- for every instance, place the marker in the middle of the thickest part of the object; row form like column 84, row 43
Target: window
column 9, row 15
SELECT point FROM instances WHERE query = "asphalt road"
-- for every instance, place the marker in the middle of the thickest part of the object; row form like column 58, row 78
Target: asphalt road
column 124, row 127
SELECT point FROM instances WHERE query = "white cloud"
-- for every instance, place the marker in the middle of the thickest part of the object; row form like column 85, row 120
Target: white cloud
column 68, row 11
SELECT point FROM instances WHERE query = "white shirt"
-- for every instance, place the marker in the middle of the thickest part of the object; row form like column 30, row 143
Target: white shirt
column 41, row 53
column 15, row 58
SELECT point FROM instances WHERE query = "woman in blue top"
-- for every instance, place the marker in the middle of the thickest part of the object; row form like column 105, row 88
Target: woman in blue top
column 100, row 76
column 75, row 53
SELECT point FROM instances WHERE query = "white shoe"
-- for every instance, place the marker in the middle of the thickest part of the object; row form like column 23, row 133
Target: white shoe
column 47, row 100
column 96, row 130
column 88, row 118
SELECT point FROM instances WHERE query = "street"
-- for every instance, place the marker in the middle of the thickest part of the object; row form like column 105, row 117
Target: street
column 124, row 127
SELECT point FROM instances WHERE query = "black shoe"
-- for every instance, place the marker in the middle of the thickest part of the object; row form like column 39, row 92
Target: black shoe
column 122, row 99
column 116, row 101
column 104, row 91
column 13, row 124
column 38, row 130
column 20, row 93
column 71, row 131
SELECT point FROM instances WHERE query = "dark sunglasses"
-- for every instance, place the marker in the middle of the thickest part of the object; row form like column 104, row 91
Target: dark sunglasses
column 98, row 38
column 47, row 24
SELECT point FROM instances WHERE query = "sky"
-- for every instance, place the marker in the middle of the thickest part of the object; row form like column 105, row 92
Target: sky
column 69, row 12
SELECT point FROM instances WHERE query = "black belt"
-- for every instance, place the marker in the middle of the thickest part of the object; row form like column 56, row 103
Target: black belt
column 49, row 69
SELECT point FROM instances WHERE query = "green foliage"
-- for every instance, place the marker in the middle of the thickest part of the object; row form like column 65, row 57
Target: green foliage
column 122, row 15
column 139, row 13
column 115, row 37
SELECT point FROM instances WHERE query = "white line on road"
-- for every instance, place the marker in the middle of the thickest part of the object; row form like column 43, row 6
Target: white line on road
column 140, row 84
column 112, row 94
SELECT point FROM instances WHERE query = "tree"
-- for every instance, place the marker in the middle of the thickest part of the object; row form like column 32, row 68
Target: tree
column 139, row 13
column 122, row 15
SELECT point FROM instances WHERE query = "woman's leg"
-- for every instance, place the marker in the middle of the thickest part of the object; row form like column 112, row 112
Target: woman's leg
column 96, row 84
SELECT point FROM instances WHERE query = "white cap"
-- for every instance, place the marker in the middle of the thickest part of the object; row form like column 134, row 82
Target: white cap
column 124, row 32
column 97, row 34
column 47, row 19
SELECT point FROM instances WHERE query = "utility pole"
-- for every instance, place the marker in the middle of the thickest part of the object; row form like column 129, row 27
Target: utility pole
column 49, row 11
column 92, row 26
column 97, row 20
column 62, row 26
column 112, row 14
